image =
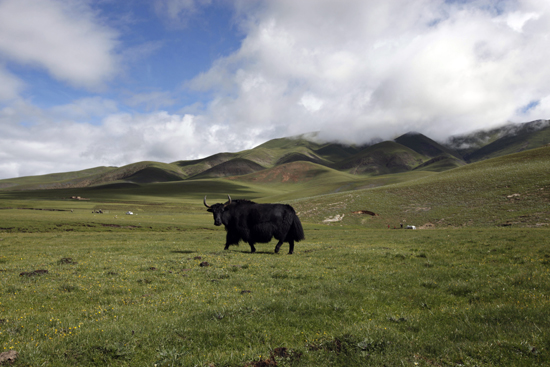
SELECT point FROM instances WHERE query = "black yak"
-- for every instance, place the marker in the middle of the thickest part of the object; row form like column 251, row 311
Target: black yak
column 250, row 222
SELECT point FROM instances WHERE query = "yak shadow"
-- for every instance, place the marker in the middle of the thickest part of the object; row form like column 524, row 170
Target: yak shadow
column 183, row 252
column 257, row 252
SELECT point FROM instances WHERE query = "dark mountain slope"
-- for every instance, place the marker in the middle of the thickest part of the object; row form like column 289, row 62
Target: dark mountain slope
column 526, row 136
column 503, row 140
column 382, row 158
column 424, row 145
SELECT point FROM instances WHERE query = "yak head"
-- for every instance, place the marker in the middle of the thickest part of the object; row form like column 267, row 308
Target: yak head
column 217, row 210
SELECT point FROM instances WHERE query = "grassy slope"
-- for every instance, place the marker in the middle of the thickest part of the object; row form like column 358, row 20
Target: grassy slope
column 513, row 190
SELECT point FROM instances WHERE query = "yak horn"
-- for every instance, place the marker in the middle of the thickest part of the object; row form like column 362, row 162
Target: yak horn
column 206, row 205
column 229, row 197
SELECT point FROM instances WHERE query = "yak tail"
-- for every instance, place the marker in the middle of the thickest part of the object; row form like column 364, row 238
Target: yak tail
column 296, row 230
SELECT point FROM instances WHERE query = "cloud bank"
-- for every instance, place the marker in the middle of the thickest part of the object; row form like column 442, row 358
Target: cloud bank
column 358, row 69
column 354, row 70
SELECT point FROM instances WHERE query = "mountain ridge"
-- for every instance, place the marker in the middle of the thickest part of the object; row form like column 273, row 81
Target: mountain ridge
column 408, row 152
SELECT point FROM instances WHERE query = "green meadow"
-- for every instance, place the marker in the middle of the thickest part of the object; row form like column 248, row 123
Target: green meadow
column 79, row 288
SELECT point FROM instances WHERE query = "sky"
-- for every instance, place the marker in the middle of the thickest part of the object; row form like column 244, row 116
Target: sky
column 88, row 83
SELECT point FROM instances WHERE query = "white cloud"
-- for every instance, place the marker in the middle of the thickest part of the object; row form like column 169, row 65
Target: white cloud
column 65, row 38
column 379, row 68
column 178, row 12
column 47, row 143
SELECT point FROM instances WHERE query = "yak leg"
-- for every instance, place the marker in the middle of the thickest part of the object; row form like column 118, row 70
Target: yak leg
column 252, row 248
column 290, row 247
column 278, row 247
column 230, row 239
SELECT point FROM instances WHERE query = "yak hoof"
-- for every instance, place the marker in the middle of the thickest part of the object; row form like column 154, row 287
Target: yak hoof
column 290, row 253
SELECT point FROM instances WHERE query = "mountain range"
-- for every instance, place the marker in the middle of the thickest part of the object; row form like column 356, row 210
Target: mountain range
column 300, row 158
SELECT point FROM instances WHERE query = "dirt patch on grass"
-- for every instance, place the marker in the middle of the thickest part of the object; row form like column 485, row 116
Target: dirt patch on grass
column 33, row 273
column 427, row 226
column 8, row 357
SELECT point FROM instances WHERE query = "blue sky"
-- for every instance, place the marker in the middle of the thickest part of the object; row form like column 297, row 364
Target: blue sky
column 90, row 83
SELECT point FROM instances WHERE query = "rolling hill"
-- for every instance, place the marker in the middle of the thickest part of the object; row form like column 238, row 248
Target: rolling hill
column 411, row 152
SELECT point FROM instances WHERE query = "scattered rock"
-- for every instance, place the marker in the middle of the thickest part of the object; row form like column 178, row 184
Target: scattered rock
column 204, row 263
column 245, row 292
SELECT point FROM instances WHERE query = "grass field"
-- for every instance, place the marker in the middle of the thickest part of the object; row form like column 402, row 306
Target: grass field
column 79, row 288
column 120, row 296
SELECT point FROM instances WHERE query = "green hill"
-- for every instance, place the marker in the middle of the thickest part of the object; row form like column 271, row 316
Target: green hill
column 410, row 153
column 512, row 190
